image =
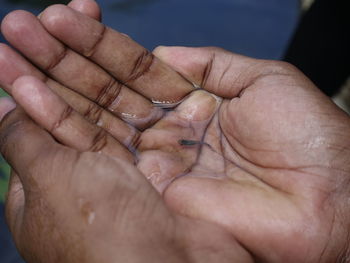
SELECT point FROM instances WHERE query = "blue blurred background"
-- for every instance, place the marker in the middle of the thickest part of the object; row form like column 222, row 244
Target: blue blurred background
column 257, row 28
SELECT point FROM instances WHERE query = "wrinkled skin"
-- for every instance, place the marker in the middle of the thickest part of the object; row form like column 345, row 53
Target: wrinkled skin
column 256, row 161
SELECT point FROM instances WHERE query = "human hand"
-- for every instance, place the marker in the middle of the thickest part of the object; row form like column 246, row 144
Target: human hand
column 58, row 217
column 100, row 96
column 65, row 205
column 284, row 151
column 150, row 86
column 265, row 177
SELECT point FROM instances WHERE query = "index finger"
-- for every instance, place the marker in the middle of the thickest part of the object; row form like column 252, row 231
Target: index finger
column 129, row 62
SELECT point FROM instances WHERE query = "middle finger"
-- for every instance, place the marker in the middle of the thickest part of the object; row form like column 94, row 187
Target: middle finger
column 13, row 66
column 25, row 32
column 117, row 53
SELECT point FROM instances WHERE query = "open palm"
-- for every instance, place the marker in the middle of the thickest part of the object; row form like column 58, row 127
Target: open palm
column 254, row 151
column 270, row 175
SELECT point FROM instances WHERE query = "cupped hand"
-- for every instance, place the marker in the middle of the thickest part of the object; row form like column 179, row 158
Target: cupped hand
column 70, row 206
column 258, row 150
column 274, row 167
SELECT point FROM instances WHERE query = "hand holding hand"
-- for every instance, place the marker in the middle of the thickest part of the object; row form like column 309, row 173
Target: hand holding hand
column 67, row 206
column 267, row 161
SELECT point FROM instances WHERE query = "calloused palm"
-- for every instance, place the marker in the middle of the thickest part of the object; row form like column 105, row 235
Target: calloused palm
column 260, row 151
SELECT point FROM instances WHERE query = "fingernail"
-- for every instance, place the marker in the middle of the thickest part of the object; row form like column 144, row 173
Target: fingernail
column 7, row 104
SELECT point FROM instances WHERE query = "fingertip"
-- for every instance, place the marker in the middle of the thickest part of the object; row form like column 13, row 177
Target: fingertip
column 173, row 51
column 52, row 15
column 179, row 58
column 161, row 51
column 27, row 82
column 185, row 60
column 87, row 7
column 15, row 22
column 200, row 105
column 27, row 91
column 7, row 104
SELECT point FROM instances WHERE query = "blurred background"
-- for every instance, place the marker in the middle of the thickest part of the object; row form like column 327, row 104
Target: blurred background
column 271, row 29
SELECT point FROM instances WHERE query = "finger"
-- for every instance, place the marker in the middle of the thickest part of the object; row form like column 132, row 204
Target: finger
column 118, row 54
column 65, row 124
column 171, row 147
column 219, row 71
column 6, row 105
column 14, row 203
column 87, row 7
column 25, row 32
column 13, row 66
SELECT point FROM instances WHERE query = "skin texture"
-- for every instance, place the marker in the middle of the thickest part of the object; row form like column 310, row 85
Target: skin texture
column 61, row 201
column 268, row 172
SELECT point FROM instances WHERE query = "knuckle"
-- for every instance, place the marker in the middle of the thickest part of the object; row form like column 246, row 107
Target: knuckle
column 99, row 141
column 57, row 59
column 90, row 51
column 65, row 115
column 109, row 93
column 135, row 142
column 208, row 70
column 93, row 113
column 141, row 65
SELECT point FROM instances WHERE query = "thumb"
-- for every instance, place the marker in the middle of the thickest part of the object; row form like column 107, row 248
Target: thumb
column 216, row 70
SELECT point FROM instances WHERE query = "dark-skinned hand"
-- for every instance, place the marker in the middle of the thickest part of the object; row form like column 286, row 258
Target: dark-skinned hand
column 258, row 150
